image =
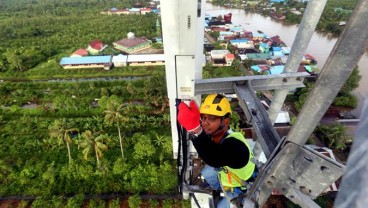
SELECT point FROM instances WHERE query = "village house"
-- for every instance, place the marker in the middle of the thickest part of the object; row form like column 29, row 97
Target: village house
column 106, row 62
column 95, row 47
column 242, row 43
column 264, row 47
column 295, row 11
column 115, row 11
column 277, row 52
column 145, row 10
column 222, row 58
column 256, row 57
column 276, row 41
column 132, row 44
column 135, row 11
column 226, row 35
column 120, row 60
column 79, row 53
column 86, row 62
column 258, row 36
column 277, row 16
column 146, row 60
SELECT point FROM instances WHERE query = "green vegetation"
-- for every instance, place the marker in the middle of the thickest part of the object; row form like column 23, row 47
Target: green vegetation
column 333, row 135
column 61, row 141
column 57, row 140
column 36, row 35
column 344, row 98
column 134, row 201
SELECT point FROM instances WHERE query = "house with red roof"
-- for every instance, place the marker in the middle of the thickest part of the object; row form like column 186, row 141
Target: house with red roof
column 132, row 44
column 80, row 53
column 95, row 47
column 145, row 10
column 221, row 58
column 115, row 11
column 229, row 58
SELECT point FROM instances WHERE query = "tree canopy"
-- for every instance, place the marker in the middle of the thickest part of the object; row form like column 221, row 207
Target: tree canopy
column 33, row 32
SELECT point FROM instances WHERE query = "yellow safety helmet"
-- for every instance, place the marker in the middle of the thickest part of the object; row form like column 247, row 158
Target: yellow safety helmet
column 216, row 105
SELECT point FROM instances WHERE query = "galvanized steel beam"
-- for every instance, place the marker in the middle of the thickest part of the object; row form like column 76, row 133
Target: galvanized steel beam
column 257, row 115
column 303, row 36
column 298, row 172
column 259, row 82
column 354, row 186
column 343, row 59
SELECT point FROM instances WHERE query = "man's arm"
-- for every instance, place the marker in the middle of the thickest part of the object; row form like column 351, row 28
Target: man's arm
column 231, row 152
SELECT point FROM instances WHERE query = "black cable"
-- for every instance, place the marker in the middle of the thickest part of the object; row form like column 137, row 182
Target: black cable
column 185, row 153
column 183, row 144
column 179, row 129
column 195, row 199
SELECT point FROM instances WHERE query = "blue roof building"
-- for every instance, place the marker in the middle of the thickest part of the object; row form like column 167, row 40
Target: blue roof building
column 236, row 29
column 237, row 41
column 264, row 47
column 276, row 48
column 276, row 69
column 86, row 62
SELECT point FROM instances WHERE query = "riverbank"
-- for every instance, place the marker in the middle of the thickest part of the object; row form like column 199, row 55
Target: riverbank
column 291, row 12
column 320, row 45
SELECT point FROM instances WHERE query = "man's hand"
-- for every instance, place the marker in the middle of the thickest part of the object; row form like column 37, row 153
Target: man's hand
column 189, row 116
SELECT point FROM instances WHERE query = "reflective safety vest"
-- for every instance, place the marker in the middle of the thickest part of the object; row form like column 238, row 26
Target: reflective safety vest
column 231, row 177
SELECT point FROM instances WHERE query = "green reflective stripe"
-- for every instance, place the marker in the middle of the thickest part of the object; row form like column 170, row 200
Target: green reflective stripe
column 243, row 173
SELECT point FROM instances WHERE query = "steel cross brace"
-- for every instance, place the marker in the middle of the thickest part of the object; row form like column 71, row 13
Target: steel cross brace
column 257, row 115
column 298, row 172
column 259, row 82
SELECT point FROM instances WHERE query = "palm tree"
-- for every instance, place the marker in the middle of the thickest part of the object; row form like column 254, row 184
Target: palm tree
column 155, row 92
column 114, row 115
column 62, row 132
column 337, row 136
column 93, row 141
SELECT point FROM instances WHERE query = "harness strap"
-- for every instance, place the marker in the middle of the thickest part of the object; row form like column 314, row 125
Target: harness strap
column 231, row 174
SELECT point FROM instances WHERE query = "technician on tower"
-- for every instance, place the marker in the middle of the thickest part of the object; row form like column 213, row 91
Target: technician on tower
column 226, row 154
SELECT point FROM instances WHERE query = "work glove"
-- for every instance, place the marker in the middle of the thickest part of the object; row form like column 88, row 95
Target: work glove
column 189, row 116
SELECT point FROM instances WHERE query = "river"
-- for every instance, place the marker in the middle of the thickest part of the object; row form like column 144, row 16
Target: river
column 320, row 45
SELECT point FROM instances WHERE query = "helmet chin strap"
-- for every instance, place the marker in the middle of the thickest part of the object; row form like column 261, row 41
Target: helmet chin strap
column 220, row 128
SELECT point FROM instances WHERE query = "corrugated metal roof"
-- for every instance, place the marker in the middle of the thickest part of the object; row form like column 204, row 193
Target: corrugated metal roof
column 85, row 60
column 226, row 33
column 219, row 52
column 96, row 44
column 236, row 29
column 277, row 69
column 131, row 42
column 81, row 52
column 239, row 41
column 258, row 56
column 134, row 10
column 146, row 57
